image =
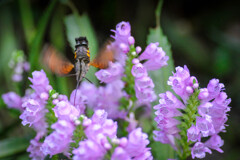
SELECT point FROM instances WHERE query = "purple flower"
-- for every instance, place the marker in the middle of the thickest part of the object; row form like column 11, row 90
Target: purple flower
column 89, row 150
column 59, row 140
column 34, row 149
column 138, row 70
column 120, row 154
column 87, row 94
column 205, row 126
column 32, row 112
column 100, row 127
column 34, row 115
column 40, row 82
column 166, row 111
column 122, row 32
column 138, row 49
column 106, row 98
column 79, row 99
column 19, row 65
column 132, row 122
column 12, row 100
column 214, row 88
column 182, row 84
column 170, row 100
column 215, row 142
column 121, row 44
column 112, row 73
column 143, row 83
column 17, row 77
column 193, row 134
column 97, row 129
column 137, row 142
column 155, row 56
column 64, row 110
column 26, row 66
column 199, row 150
column 164, row 138
column 131, row 40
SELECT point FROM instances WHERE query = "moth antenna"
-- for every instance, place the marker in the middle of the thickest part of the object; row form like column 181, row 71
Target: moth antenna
column 69, row 75
column 88, row 80
column 78, row 83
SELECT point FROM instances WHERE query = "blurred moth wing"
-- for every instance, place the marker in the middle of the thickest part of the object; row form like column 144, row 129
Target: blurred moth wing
column 55, row 62
column 104, row 56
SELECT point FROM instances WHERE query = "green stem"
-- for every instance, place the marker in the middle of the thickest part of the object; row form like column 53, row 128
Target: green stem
column 50, row 115
column 129, row 79
column 158, row 12
column 188, row 118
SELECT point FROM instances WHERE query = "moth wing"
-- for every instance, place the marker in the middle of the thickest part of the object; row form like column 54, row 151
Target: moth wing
column 55, row 62
column 103, row 57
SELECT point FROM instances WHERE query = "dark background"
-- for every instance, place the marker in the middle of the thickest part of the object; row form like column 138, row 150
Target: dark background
column 204, row 35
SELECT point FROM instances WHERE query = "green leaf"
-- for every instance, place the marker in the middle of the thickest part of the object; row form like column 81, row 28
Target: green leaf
column 162, row 151
column 27, row 20
column 36, row 44
column 190, row 47
column 57, row 36
column 77, row 26
column 160, row 78
column 13, row 146
column 8, row 43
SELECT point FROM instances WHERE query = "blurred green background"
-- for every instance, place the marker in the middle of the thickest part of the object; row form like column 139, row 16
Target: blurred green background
column 204, row 35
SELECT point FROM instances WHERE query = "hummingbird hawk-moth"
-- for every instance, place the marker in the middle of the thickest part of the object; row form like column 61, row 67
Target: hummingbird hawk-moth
column 61, row 66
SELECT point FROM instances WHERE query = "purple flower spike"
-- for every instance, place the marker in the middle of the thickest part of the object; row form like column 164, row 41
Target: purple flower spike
column 208, row 108
column 113, row 72
column 12, row 100
column 193, row 134
column 199, row 150
column 215, row 142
